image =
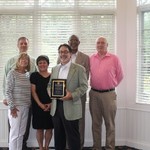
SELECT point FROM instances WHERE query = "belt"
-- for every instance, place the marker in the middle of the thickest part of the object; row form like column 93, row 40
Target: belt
column 103, row 91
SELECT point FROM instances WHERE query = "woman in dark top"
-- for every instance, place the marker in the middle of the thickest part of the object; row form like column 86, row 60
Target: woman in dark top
column 42, row 120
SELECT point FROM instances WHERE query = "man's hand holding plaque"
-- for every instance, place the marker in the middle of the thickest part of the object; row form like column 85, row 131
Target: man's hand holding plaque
column 58, row 88
column 68, row 96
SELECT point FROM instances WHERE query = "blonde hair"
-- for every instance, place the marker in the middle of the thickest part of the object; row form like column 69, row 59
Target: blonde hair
column 26, row 56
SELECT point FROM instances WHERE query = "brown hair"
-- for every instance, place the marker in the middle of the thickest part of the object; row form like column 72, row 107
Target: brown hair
column 42, row 57
column 23, row 55
column 23, row 38
column 65, row 45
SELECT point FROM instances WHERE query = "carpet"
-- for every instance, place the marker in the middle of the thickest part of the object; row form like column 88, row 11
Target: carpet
column 85, row 148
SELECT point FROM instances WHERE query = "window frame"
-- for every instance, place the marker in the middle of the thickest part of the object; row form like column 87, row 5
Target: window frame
column 142, row 97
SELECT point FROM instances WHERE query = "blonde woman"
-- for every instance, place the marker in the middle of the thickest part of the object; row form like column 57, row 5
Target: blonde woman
column 18, row 95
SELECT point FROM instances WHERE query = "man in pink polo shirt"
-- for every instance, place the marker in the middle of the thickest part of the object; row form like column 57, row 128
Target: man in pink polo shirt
column 106, row 73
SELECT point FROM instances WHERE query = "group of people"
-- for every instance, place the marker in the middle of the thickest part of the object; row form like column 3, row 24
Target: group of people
column 27, row 84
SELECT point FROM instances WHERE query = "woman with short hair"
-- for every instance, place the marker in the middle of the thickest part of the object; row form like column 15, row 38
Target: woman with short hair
column 42, row 120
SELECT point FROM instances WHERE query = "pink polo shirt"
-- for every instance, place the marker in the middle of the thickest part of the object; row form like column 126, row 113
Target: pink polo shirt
column 106, row 72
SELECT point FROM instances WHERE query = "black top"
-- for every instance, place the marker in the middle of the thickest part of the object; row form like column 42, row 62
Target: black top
column 41, row 119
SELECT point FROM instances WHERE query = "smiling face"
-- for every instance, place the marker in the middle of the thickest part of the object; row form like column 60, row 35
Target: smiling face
column 74, row 43
column 42, row 65
column 23, row 45
column 23, row 62
column 101, row 45
column 64, row 54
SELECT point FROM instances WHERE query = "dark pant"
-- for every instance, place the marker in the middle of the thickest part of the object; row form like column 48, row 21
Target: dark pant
column 65, row 129
column 26, row 135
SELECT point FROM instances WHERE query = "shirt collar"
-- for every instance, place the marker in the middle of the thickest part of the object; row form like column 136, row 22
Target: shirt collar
column 75, row 54
column 107, row 55
column 66, row 65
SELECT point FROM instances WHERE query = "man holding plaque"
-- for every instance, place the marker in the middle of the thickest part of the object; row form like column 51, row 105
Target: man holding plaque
column 83, row 60
column 68, row 84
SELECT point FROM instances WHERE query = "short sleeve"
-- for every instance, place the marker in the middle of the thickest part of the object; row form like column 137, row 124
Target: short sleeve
column 33, row 77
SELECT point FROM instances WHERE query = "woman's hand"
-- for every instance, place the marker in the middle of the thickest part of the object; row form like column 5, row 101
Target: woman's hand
column 13, row 112
column 5, row 102
column 42, row 106
column 47, row 107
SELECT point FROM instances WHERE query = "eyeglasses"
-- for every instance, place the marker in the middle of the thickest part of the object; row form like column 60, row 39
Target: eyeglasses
column 63, row 52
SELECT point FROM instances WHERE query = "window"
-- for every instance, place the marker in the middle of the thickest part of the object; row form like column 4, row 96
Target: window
column 49, row 23
column 143, row 53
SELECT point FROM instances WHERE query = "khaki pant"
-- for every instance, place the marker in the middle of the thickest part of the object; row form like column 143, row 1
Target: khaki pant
column 103, row 107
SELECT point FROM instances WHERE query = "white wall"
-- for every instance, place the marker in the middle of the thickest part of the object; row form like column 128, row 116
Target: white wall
column 120, row 126
column 132, row 120
column 137, row 115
